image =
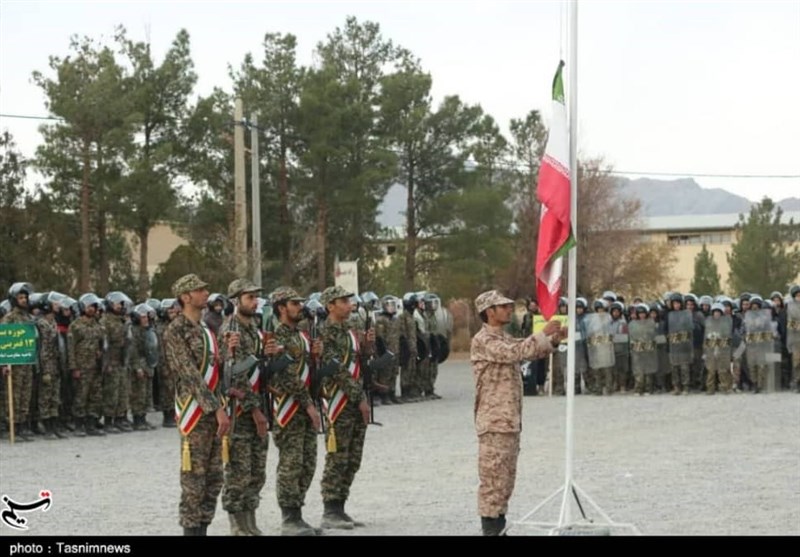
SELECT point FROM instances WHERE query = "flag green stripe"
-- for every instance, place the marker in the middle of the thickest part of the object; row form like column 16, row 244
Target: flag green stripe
column 558, row 84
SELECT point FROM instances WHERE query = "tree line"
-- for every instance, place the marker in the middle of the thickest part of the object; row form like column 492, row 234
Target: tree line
column 134, row 146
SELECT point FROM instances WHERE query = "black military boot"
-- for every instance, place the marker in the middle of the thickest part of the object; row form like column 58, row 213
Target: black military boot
column 109, row 427
column 50, row 429
column 394, row 399
column 194, row 531
column 93, row 427
column 22, row 433
column 292, row 523
column 123, row 424
column 492, row 526
column 333, row 516
column 139, row 424
column 80, row 427
column 202, row 530
column 54, row 423
column 169, row 419
column 347, row 517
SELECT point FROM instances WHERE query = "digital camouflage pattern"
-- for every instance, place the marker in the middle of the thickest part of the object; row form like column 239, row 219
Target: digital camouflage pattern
column 49, row 376
column 85, row 346
column 21, row 376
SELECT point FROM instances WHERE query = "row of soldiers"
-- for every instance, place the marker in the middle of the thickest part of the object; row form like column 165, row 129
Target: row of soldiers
column 684, row 342
column 97, row 363
column 292, row 367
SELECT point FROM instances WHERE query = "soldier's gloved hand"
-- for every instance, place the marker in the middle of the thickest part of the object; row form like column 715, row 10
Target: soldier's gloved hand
column 47, row 379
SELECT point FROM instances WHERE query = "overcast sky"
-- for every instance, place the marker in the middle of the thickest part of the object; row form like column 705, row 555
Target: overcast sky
column 677, row 87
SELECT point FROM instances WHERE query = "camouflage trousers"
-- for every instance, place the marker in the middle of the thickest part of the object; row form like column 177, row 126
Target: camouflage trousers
column 22, row 390
column 758, row 375
column 424, row 376
column 200, row 487
column 49, row 394
column 246, row 472
column 497, row 471
column 718, row 369
column 297, row 460
column 67, row 394
column 434, row 374
column 680, row 377
column 644, row 382
column 341, row 467
column 116, row 391
column 601, row 380
column 557, row 372
column 166, row 388
column 138, row 394
column 388, row 377
column 88, row 394
column 408, row 377
column 622, row 370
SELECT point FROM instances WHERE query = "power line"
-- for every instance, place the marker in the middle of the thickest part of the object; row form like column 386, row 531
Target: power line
column 519, row 166
column 28, row 117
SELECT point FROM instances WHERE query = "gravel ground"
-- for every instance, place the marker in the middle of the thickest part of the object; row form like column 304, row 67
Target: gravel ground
column 697, row 465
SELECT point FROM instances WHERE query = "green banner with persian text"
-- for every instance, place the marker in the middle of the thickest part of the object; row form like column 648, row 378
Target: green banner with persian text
column 18, row 344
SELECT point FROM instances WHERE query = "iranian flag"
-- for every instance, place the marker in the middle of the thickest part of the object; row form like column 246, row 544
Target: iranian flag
column 553, row 192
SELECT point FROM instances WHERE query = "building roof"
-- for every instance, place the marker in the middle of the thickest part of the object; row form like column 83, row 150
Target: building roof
column 703, row 222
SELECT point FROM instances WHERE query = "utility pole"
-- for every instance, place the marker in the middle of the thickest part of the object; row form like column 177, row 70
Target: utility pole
column 256, row 200
column 239, row 193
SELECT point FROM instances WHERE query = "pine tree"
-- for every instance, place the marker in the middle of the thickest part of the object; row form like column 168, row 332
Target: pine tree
column 763, row 259
column 706, row 275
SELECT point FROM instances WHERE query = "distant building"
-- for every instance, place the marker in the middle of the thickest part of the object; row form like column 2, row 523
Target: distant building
column 162, row 241
column 688, row 234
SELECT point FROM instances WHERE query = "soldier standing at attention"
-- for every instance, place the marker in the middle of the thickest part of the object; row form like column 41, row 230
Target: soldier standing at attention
column 116, row 377
column 246, row 471
column 85, row 341
column 297, row 420
column 347, row 409
column 22, row 376
column 495, row 357
column 139, row 369
column 193, row 360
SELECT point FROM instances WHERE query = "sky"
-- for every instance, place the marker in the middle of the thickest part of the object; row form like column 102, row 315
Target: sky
column 678, row 87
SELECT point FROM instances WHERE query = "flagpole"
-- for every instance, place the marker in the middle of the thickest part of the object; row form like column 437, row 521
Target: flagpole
column 572, row 270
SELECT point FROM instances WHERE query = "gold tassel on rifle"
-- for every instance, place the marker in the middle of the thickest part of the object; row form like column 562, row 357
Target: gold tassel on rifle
column 226, row 450
column 331, row 439
column 186, row 456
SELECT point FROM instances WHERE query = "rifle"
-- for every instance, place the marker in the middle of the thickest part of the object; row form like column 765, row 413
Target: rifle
column 316, row 379
column 368, row 375
column 227, row 383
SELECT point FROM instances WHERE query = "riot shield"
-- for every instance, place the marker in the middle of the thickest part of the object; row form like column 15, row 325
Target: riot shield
column 151, row 347
column 679, row 337
column 444, row 348
column 718, row 339
column 644, row 357
column 599, row 340
column 444, row 320
column 793, row 326
column 758, row 337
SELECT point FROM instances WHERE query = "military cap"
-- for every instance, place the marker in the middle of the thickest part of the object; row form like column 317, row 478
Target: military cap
column 332, row 293
column 242, row 286
column 187, row 283
column 286, row 294
column 489, row 299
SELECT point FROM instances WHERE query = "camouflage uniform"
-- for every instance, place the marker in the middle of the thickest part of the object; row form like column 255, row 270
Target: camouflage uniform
column 185, row 350
column 137, row 362
column 387, row 328
column 116, row 378
column 21, row 379
column 245, row 473
column 348, row 427
column 50, row 379
column 408, row 349
column 432, row 326
column 423, row 360
column 85, row 345
column 495, row 357
column 293, row 432
column 166, row 384
column 621, row 356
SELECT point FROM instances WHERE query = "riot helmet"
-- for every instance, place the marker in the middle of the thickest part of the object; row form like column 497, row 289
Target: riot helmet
column 19, row 288
column 87, row 300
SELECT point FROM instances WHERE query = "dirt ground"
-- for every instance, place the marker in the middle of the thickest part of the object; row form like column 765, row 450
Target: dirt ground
column 696, row 465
